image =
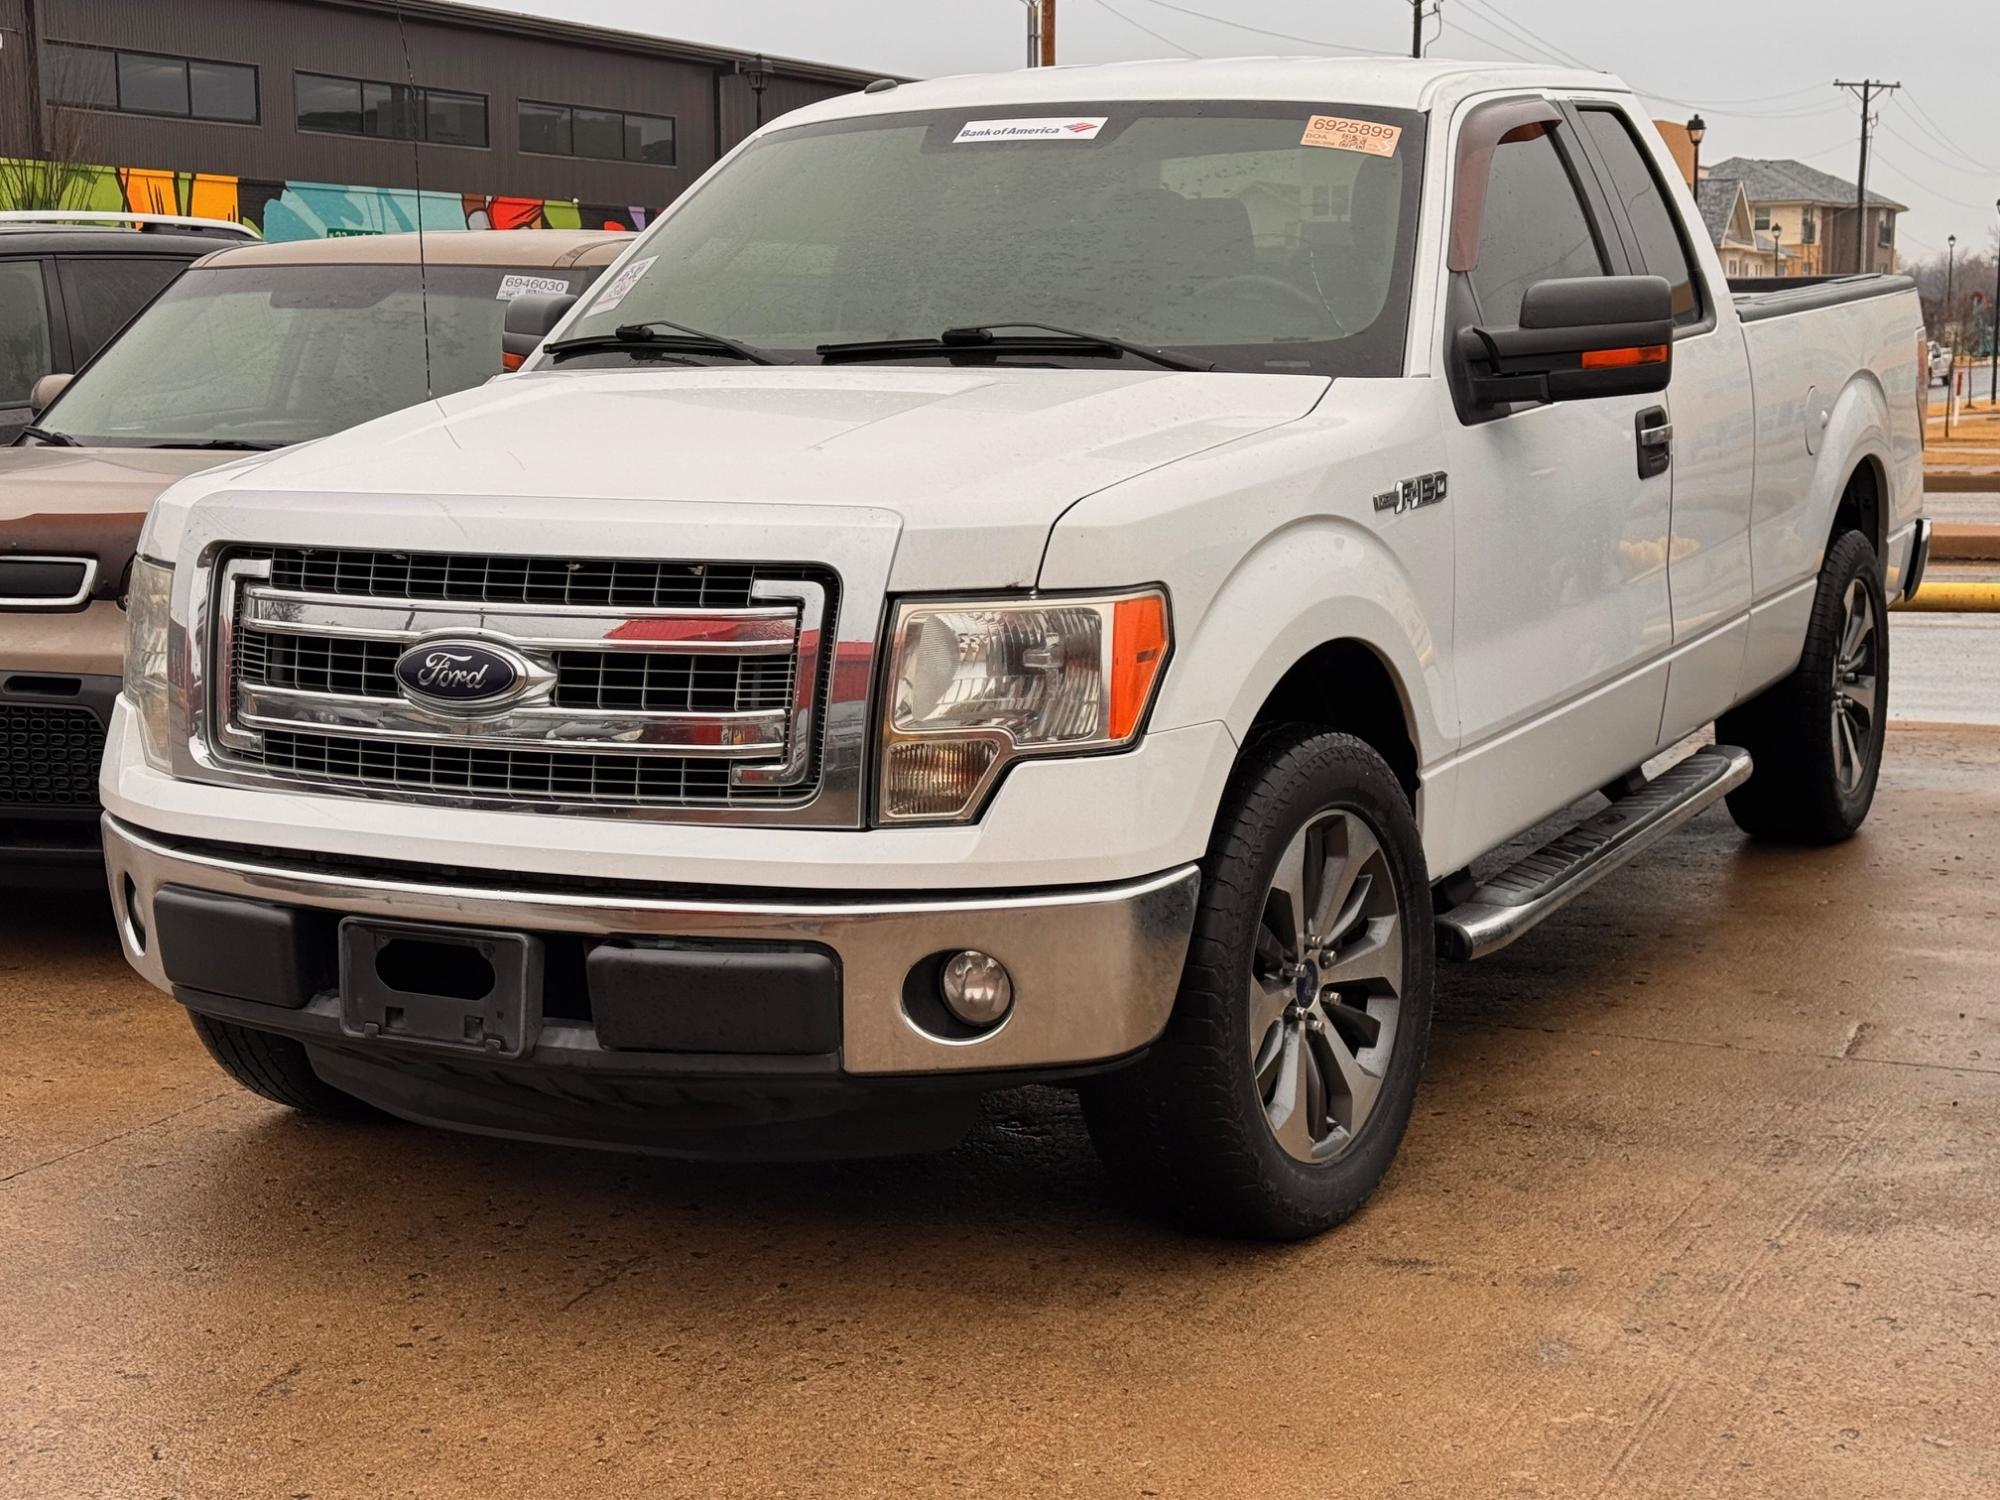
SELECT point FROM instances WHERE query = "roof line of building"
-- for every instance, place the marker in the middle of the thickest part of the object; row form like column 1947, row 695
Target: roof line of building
column 518, row 23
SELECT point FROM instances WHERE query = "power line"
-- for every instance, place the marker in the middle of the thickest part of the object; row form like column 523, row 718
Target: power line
column 1949, row 166
column 1921, row 118
column 1165, row 41
column 1283, row 36
column 1527, row 37
column 1487, row 41
column 1925, row 187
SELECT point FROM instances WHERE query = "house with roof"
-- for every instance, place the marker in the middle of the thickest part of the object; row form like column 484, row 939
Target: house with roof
column 1732, row 229
column 1810, row 216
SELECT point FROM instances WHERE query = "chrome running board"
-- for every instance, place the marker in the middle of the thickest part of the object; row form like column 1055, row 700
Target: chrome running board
column 1516, row 899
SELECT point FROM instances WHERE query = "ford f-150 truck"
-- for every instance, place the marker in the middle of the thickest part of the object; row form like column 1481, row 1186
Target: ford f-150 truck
column 1064, row 577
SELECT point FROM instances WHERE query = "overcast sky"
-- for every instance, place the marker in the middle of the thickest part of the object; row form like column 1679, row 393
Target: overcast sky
column 1760, row 71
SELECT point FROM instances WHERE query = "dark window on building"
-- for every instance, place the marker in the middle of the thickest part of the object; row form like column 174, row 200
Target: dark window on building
column 24, row 330
column 545, row 128
column 102, row 295
column 1535, row 229
column 149, row 83
column 1885, row 230
column 454, row 119
column 389, row 111
column 1808, row 227
column 599, row 134
column 1634, row 183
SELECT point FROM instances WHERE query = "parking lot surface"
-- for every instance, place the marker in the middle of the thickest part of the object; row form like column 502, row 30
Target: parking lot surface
column 1699, row 1200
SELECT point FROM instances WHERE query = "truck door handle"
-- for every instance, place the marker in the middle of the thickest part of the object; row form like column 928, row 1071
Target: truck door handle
column 1656, row 442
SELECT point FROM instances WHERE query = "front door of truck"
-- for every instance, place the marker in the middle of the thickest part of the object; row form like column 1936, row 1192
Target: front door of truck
column 1713, row 439
column 1563, row 617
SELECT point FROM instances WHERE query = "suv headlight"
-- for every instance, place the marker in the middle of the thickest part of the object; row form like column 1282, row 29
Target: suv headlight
column 147, row 604
column 977, row 683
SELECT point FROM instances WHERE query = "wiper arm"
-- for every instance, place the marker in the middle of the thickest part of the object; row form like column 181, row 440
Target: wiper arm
column 986, row 338
column 678, row 339
column 53, row 439
column 236, row 445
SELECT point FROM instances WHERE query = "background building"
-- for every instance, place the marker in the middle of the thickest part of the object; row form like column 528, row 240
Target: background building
column 1812, row 215
column 302, row 117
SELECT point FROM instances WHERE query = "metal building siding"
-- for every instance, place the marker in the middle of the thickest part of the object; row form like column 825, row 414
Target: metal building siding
column 283, row 36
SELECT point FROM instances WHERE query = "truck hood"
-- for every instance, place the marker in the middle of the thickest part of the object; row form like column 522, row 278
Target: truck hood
column 976, row 465
column 89, row 502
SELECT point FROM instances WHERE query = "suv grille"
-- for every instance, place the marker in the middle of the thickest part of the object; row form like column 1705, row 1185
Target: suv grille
column 49, row 756
column 651, row 683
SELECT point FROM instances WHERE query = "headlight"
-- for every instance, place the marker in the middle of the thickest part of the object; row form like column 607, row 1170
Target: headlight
column 146, row 623
column 974, row 684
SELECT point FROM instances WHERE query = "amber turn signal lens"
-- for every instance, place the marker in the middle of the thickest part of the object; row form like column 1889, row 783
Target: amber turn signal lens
column 1138, row 650
column 1616, row 359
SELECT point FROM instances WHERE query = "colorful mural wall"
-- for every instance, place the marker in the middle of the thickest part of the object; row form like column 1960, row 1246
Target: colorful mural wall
column 312, row 210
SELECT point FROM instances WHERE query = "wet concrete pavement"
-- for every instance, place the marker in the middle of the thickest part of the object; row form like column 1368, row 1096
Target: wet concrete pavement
column 1700, row 1200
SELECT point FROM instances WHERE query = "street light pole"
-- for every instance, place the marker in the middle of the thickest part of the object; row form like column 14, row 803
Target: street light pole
column 1034, row 32
column 1778, row 246
column 1993, row 337
column 1697, row 128
column 1944, row 317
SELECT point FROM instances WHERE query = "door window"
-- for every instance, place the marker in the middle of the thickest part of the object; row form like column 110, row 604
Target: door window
column 1661, row 249
column 24, row 330
column 102, row 295
column 1535, row 229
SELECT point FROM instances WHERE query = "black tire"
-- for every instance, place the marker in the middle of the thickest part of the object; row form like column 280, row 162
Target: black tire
column 1801, row 790
column 1189, row 1125
column 277, row 1068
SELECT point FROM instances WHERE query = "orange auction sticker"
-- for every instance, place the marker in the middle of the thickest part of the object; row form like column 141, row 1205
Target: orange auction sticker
column 1352, row 135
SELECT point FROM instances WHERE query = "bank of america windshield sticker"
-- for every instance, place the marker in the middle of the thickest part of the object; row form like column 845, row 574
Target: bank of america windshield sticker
column 526, row 286
column 622, row 283
column 1338, row 134
column 1048, row 128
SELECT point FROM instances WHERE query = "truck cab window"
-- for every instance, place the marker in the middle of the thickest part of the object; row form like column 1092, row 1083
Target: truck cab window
column 1635, row 184
column 1535, row 229
column 24, row 329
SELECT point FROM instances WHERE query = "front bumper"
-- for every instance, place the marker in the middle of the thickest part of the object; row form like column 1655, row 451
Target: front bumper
column 1095, row 970
column 52, row 734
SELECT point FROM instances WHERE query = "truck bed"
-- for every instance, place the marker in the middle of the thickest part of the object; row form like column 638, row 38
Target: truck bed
column 1761, row 297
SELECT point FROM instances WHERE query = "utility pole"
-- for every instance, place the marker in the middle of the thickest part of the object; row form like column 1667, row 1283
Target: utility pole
column 1048, row 30
column 1948, row 329
column 1867, row 91
column 1034, row 32
column 1993, row 331
column 1420, row 12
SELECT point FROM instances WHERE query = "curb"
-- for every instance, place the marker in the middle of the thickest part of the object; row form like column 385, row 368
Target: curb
column 1965, row 541
column 1973, row 482
column 1937, row 596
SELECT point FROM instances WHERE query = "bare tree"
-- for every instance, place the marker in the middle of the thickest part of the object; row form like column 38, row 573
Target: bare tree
column 62, row 174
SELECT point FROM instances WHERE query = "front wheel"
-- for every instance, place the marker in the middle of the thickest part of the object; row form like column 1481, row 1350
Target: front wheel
column 1816, row 738
column 1276, row 1099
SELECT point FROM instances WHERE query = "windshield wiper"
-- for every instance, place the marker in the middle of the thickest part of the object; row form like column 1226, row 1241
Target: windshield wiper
column 985, row 338
column 236, row 445
column 646, row 337
column 53, row 439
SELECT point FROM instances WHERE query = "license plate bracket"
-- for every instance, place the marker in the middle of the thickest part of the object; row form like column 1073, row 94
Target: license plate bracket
column 465, row 989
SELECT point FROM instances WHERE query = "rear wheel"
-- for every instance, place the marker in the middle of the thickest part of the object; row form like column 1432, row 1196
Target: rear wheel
column 277, row 1068
column 1281, row 1089
column 1817, row 737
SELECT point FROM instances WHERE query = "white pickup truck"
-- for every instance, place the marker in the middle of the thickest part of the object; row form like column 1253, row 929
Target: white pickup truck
column 1066, row 577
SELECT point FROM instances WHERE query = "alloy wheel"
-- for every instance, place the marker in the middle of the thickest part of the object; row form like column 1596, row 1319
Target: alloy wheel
column 1855, row 696
column 1326, row 986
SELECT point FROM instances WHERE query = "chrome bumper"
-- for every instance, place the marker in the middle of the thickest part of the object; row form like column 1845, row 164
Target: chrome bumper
column 1095, row 970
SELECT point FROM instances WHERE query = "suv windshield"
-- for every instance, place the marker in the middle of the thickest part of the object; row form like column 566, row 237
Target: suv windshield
column 1266, row 237
column 263, row 356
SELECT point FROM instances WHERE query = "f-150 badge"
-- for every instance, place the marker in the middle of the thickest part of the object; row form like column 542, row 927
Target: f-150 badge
column 1425, row 489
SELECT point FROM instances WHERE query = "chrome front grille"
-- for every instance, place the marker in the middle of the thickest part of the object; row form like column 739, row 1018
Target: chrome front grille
column 654, row 684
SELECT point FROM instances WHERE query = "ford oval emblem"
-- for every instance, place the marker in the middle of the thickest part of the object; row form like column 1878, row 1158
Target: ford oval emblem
column 461, row 674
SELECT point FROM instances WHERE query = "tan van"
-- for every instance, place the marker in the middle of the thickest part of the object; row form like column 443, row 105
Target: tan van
column 252, row 348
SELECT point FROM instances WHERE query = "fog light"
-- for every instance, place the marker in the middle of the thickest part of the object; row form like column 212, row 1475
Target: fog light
column 977, row 988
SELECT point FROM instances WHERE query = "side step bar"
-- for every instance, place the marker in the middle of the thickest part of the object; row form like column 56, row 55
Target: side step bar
column 1516, row 899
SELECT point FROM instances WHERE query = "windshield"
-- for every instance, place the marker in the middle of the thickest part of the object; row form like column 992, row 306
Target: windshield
column 264, row 356
column 1266, row 237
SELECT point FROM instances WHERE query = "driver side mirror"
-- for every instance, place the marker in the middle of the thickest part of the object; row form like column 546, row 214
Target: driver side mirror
column 528, row 320
column 42, row 395
column 1579, row 339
